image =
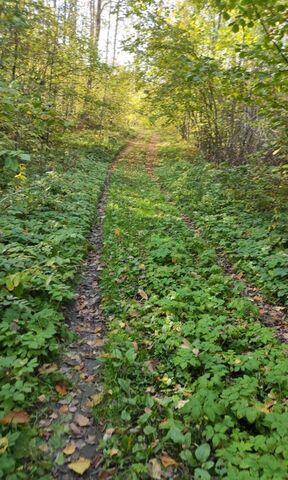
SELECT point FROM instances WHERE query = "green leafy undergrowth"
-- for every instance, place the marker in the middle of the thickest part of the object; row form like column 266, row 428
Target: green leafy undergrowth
column 195, row 385
column 43, row 237
column 243, row 209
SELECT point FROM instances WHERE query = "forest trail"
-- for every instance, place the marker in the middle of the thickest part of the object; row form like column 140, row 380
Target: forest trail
column 143, row 291
column 82, row 360
column 172, row 363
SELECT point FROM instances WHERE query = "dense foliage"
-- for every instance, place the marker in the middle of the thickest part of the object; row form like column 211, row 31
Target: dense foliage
column 217, row 70
column 242, row 209
column 43, row 239
column 195, row 384
column 52, row 80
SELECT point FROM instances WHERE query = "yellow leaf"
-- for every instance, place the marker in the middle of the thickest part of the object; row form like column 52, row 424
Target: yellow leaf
column 80, row 466
column 69, row 449
column 3, row 445
column 117, row 232
column 266, row 407
column 95, row 399
column 167, row 461
column 166, row 380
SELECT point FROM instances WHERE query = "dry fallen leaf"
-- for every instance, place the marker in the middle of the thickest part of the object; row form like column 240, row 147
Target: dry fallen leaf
column 167, row 461
column 74, row 429
column 258, row 298
column 3, row 445
column 15, row 417
column 107, row 475
column 113, row 451
column 91, row 439
column 151, row 365
column 64, row 409
column 44, row 448
column 95, row 399
column 154, row 469
column 143, row 294
column 81, row 420
column 61, row 389
column 80, row 466
column 185, row 343
column 181, row 404
column 69, row 449
column 48, row 368
column 267, row 407
column 108, row 434
column 96, row 462
column 117, row 232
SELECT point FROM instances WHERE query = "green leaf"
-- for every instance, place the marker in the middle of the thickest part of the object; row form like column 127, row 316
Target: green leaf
column 176, row 435
column 193, row 407
column 11, row 164
column 251, row 414
column 201, row 474
column 235, row 28
column 202, row 453
column 25, row 157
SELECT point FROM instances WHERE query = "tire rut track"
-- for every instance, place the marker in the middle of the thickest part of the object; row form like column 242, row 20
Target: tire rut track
column 270, row 315
column 80, row 365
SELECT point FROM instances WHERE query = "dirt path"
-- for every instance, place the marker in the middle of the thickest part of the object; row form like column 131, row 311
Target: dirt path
column 69, row 430
column 69, row 426
column 270, row 315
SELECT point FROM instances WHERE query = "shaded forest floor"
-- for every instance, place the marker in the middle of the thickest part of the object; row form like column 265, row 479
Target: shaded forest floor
column 174, row 372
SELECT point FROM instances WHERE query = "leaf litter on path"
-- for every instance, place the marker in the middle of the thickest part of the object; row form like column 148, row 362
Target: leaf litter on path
column 81, row 369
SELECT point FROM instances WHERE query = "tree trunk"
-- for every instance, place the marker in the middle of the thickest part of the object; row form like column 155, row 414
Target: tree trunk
column 108, row 33
column 116, row 33
column 98, row 23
